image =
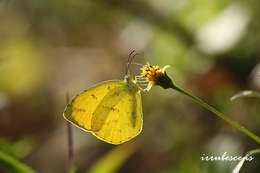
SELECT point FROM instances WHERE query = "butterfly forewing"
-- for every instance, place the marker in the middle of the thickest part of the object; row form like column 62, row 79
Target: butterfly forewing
column 111, row 110
column 82, row 107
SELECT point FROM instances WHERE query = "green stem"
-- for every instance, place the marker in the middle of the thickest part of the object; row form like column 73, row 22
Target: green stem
column 222, row 116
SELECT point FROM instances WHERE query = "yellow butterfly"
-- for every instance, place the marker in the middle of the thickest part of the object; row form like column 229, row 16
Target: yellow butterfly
column 111, row 110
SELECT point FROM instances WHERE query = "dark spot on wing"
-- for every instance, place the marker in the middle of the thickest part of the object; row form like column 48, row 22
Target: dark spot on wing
column 111, row 108
column 94, row 96
column 114, row 109
column 134, row 112
column 108, row 87
column 133, row 118
column 79, row 109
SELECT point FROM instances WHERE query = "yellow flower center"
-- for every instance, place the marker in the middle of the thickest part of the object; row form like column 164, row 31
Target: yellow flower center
column 150, row 72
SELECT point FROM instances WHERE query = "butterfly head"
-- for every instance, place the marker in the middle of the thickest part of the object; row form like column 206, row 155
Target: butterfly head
column 150, row 75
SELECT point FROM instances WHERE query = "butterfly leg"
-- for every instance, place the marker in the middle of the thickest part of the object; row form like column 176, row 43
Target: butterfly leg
column 143, row 84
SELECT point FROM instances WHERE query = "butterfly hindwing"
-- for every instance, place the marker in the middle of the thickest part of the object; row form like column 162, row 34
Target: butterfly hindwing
column 125, row 119
column 107, row 106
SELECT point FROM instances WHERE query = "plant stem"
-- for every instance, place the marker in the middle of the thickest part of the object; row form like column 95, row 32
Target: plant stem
column 222, row 116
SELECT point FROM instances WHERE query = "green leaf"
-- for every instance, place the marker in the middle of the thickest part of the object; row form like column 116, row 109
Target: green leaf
column 18, row 149
column 13, row 165
column 112, row 161
column 242, row 161
column 246, row 93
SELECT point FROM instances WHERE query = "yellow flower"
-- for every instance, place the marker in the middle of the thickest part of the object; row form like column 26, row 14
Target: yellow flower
column 150, row 72
column 156, row 76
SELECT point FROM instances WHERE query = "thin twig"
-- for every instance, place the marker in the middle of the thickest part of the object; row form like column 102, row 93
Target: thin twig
column 69, row 141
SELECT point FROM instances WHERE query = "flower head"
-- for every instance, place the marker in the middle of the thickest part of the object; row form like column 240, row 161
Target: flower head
column 156, row 75
column 150, row 72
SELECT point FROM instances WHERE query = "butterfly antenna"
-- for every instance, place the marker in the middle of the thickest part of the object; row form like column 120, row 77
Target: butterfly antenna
column 129, row 62
column 139, row 64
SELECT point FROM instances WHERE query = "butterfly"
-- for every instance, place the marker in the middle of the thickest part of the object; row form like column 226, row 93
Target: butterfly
column 110, row 110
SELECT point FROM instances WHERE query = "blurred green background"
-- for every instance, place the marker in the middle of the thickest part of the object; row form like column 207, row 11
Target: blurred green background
column 51, row 47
